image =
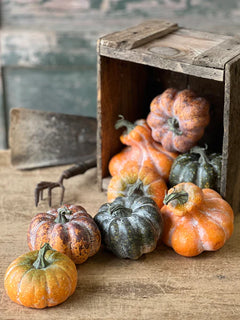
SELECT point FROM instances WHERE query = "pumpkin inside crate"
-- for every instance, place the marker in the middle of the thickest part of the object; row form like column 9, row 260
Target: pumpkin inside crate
column 130, row 77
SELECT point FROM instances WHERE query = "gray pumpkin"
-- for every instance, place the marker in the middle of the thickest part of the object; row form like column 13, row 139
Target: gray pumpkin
column 197, row 167
column 130, row 226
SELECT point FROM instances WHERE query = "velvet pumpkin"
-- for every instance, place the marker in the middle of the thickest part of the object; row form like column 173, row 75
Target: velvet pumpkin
column 69, row 229
column 40, row 279
column 197, row 167
column 141, row 150
column 195, row 219
column 178, row 119
column 130, row 226
column 141, row 180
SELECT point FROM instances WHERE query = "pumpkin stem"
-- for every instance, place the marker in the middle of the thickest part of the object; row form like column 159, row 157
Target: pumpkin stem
column 41, row 262
column 124, row 123
column 181, row 197
column 201, row 152
column 112, row 208
column 61, row 218
column 136, row 188
column 174, row 126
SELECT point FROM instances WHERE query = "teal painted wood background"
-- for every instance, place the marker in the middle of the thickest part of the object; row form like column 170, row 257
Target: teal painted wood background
column 48, row 47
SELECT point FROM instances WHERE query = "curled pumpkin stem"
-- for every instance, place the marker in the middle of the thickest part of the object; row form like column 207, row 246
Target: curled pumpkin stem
column 121, row 122
column 61, row 218
column 41, row 262
column 181, row 197
column 201, row 152
column 136, row 188
column 119, row 209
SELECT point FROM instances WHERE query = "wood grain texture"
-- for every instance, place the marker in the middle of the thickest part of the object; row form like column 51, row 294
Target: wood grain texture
column 230, row 186
column 176, row 52
column 160, row 285
column 218, row 56
column 121, row 91
column 185, row 51
column 139, row 35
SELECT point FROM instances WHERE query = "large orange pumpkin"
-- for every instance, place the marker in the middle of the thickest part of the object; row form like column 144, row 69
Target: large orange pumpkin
column 70, row 230
column 178, row 119
column 195, row 219
column 40, row 279
column 141, row 150
column 141, row 180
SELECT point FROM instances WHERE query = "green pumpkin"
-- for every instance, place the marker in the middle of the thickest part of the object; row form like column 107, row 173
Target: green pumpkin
column 197, row 167
column 130, row 226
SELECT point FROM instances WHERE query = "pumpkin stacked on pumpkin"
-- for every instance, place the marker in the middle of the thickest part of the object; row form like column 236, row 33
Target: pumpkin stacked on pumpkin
column 58, row 239
column 191, row 217
column 162, row 150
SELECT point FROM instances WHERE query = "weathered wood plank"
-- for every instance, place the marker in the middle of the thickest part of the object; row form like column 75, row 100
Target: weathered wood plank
column 219, row 55
column 160, row 61
column 179, row 47
column 116, row 79
column 197, row 34
column 160, row 285
column 230, row 183
column 139, row 35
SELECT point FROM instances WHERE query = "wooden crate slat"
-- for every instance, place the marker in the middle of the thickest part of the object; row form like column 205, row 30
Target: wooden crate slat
column 178, row 47
column 159, row 61
column 202, row 35
column 218, row 56
column 230, row 184
column 139, row 35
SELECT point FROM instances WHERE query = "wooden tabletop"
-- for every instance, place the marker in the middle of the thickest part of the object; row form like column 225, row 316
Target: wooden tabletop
column 160, row 285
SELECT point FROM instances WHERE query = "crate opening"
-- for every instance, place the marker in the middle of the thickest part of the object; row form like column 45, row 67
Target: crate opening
column 128, row 88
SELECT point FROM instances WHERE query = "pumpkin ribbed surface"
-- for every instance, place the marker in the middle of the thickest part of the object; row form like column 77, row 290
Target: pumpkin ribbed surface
column 130, row 226
column 40, row 288
column 197, row 167
column 178, row 119
column 77, row 236
column 201, row 221
column 149, row 182
column 142, row 150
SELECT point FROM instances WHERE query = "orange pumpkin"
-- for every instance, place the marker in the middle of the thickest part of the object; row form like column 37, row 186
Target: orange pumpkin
column 69, row 229
column 178, row 119
column 143, row 181
column 141, row 150
column 195, row 219
column 40, row 279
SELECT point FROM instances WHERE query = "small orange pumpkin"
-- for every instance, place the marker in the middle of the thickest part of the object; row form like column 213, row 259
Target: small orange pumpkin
column 195, row 219
column 143, row 181
column 141, row 150
column 178, row 119
column 69, row 229
column 40, row 279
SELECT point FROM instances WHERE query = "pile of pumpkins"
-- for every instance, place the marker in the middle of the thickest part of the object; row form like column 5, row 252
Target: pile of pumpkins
column 190, row 217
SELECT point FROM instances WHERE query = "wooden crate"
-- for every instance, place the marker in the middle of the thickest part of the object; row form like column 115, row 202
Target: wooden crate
column 136, row 64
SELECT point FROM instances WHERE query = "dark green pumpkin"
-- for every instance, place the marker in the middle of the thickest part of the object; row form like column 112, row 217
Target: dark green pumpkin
column 197, row 167
column 130, row 226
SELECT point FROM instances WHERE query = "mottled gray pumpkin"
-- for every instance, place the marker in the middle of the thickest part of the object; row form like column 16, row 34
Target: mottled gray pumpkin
column 130, row 226
column 197, row 167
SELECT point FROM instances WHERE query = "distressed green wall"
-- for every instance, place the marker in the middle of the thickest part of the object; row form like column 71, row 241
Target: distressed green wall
column 48, row 47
